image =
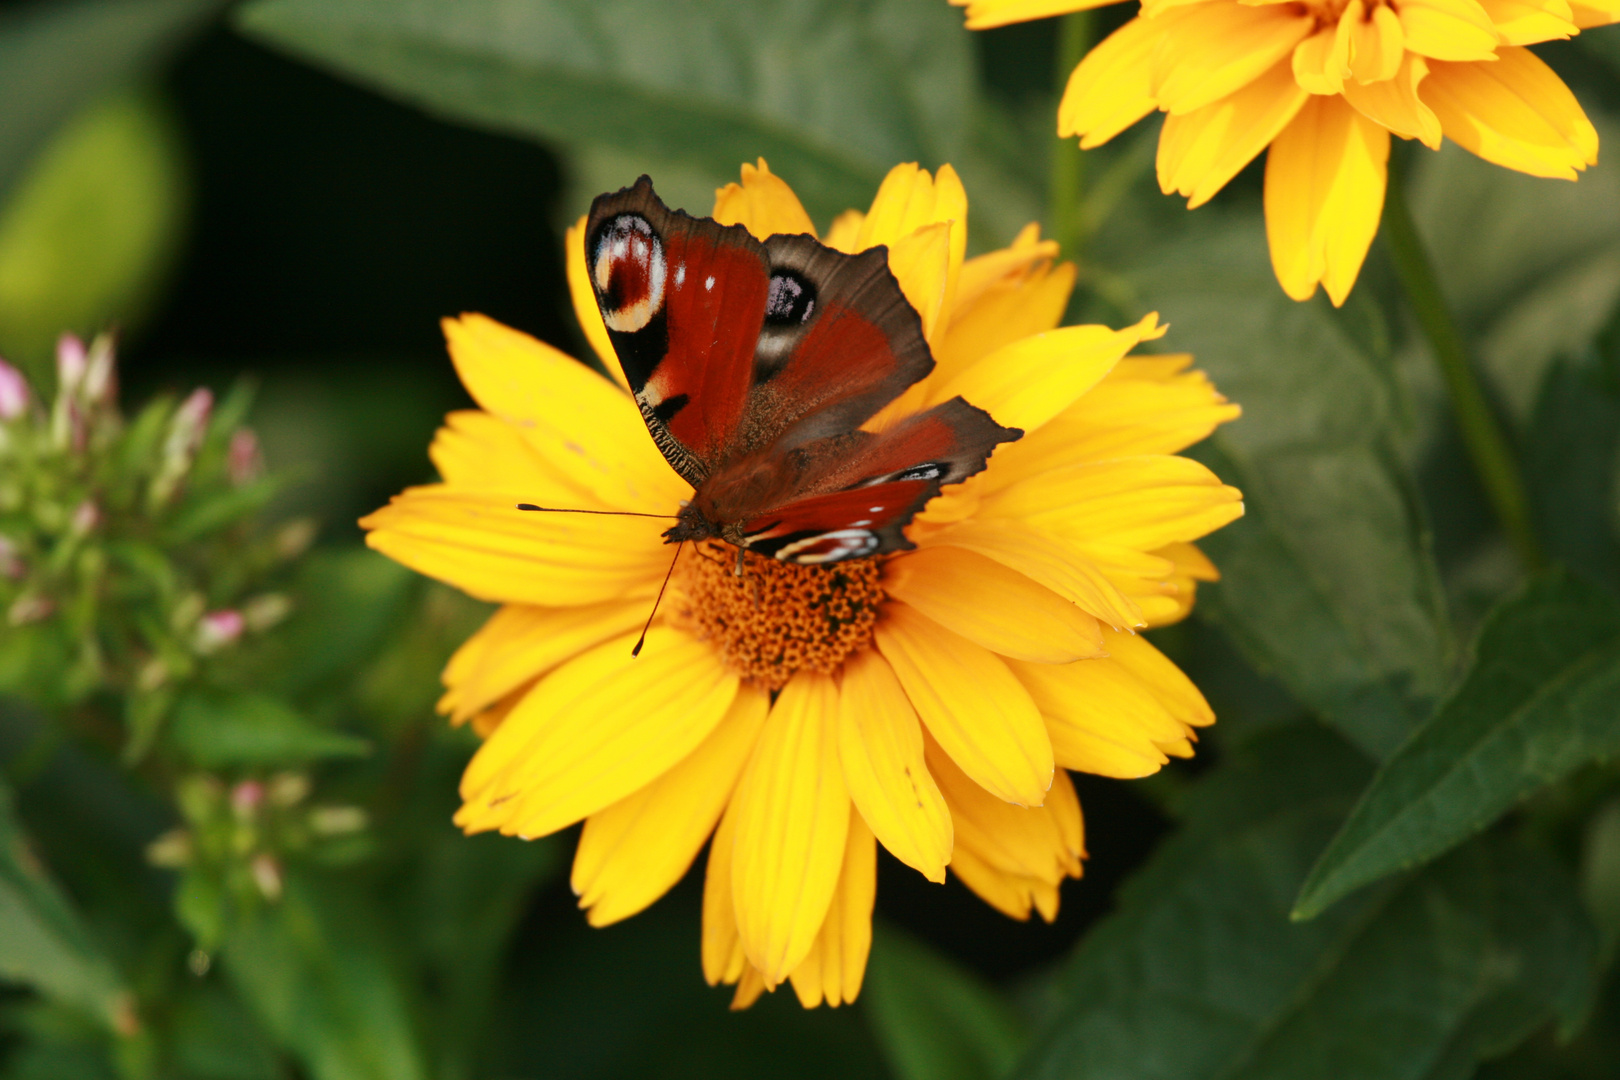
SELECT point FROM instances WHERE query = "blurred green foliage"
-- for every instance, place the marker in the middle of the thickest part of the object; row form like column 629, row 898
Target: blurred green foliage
column 225, row 847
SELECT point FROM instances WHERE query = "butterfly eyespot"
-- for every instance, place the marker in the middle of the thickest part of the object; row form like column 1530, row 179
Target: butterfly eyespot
column 791, row 301
column 628, row 269
column 830, row 547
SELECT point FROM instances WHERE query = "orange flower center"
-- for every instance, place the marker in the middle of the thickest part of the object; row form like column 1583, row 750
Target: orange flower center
column 775, row 618
column 1329, row 12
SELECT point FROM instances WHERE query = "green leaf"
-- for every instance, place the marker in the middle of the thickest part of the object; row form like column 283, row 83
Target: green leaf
column 42, row 942
column 316, row 970
column 1327, row 581
column 1200, row 974
column 1530, row 268
column 1571, row 459
column 89, row 229
column 1541, row 699
column 934, row 1020
column 56, row 57
column 218, row 731
column 832, row 92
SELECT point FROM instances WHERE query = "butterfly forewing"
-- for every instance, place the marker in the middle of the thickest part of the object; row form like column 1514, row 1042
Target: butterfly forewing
column 754, row 365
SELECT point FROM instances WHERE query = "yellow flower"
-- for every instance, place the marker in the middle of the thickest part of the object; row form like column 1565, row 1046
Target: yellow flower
column 930, row 701
column 1324, row 83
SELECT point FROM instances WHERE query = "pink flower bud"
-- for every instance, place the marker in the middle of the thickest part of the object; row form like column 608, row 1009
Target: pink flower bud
column 30, row 608
column 13, row 392
column 186, row 429
column 86, row 516
column 246, row 797
column 11, row 564
column 71, row 362
column 101, row 371
column 244, row 462
column 218, row 629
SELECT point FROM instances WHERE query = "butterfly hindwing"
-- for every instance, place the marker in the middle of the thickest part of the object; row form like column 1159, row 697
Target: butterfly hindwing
column 882, row 481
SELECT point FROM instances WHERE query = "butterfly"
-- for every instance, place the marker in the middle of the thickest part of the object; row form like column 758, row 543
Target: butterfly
column 755, row 365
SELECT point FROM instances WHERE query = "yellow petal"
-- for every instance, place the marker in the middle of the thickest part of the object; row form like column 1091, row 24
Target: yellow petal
column 1595, row 13
column 632, row 852
column 488, row 548
column 1377, row 43
column 1214, row 50
column 1325, row 179
column 971, row 704
column 1041, row 842
column 1395, row 104
column 1004, row 312
column 1122, row 416
column 1141, row 502
column 845, row 232
column 749, row 986
column 792, row 819
column 1525, row 22
column 1160, row 677
column 1516, row 113
column 577, row 421
column 584, row 298
column 1448, row 29
column 485, row 723
column 1011, row 894
column 1199, row 152
column 598, row 728
column 984, row 14
column 909, row 199
column 921, row 263
column 880, row 745
column 1025, row 384
column 992, row 605
column 1099, row 709
column 1318, row 63
column 1047, row 559
column 1110, row 89
column 763, row 204
column 723, row 957
column 523, row 641
column 475, row 451
column 1009, row 265
column 835, row 966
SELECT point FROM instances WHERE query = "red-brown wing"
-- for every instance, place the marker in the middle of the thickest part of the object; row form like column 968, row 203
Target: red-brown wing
column 881, row 482
column 684, row 300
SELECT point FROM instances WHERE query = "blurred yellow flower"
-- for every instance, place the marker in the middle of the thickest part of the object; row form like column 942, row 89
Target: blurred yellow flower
column 1324, row 83
column 930, row 701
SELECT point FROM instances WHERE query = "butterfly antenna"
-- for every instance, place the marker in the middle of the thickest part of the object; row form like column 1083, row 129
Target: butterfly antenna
column 608, row 513
column 642, row 640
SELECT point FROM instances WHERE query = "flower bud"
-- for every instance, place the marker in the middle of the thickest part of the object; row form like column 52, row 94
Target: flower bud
column 267, row 875
column 11, row 564
column 246, row 798
column 171, row 851
column 86, row 516
column 13, row 392
column 262, row 612
column 336, row 820
column 288, row 788
column 71, row 362
column 244, row 462
column 294, row 538
column 30, row 608
column 180, row 447
column 217, row 629
column 101, row 371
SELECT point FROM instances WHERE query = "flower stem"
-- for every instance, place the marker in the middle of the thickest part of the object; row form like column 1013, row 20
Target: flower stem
column 1065, row 210
column 1481, row 428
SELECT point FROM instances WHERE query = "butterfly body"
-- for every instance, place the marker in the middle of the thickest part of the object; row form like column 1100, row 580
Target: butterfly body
column 755, row 365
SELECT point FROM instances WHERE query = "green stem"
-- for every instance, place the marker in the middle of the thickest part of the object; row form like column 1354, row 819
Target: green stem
column 1065, row 210
column 1481, row 429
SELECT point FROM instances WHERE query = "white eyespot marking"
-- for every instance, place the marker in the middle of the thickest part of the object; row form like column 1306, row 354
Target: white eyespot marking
column 708, row 283
column 863, row 521
column 680, row 275
column 829, row 547
column 628, row 272
column 875, row 510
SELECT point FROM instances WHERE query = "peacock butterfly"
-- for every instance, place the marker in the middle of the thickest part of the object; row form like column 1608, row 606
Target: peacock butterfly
column 755, row 365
